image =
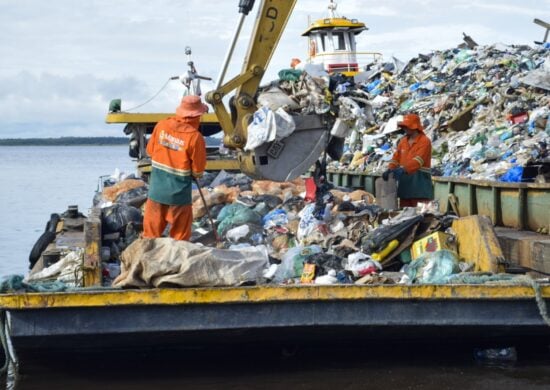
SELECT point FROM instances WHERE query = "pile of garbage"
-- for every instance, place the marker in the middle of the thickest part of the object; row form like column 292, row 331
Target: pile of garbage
column 485, row 108
column 271, row 232
column 343, row 238
column 296, row 232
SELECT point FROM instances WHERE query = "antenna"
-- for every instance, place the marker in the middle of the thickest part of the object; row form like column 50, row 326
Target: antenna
column 332, row 9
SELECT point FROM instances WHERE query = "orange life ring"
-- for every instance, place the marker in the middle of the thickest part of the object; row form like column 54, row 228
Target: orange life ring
column 312, row 48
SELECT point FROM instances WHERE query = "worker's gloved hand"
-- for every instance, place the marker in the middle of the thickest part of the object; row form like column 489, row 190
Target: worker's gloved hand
column 386, row 174
column 398, row 172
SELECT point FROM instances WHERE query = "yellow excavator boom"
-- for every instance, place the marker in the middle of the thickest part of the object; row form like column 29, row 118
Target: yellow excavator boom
column 292, row 156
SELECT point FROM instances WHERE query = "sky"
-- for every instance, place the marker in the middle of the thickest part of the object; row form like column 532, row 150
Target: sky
column 62, row 61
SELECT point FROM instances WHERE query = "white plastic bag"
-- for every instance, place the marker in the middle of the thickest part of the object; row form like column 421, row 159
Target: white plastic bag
column 284, row 124
column 267, row 125
column 237, row 233
column 308, row 223
column 263, row 121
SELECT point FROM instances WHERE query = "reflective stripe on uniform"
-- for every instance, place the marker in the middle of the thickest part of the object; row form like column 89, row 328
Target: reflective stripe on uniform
column 171, row 170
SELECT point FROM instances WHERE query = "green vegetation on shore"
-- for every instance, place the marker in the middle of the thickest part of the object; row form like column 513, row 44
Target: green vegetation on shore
column 64, row 141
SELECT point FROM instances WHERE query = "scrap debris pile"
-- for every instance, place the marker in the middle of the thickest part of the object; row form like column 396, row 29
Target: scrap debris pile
column 286, row 237
column 485, row 108
column 487, row 112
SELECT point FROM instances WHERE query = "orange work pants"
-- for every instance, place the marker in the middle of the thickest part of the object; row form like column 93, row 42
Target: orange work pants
column 158, row 215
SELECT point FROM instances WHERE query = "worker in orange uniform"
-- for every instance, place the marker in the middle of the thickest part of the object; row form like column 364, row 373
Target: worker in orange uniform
column 411, row 162
column 178, row 154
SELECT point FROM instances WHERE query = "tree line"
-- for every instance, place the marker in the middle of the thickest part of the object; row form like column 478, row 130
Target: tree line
column 64, row 141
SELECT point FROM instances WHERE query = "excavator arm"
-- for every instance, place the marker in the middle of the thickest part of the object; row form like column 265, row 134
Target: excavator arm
column 284, row 159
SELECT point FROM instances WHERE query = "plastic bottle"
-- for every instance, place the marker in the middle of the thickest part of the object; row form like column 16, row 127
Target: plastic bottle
column 379, row 256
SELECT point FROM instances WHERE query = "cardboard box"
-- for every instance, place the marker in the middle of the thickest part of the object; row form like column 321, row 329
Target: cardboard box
column 432, row 243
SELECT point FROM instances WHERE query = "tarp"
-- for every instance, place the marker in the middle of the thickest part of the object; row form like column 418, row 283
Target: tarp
column 164, row 262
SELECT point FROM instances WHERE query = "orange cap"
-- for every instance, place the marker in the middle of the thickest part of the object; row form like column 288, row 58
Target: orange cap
column 411, row 121
column 294, row 62
column 191, row 106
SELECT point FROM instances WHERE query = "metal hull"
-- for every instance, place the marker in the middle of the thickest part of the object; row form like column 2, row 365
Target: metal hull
column 354, row 314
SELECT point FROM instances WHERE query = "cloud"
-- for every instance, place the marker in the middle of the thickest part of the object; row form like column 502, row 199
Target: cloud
column 50, row 105
column 62, row 65
column 409, row 42
column 526, row 8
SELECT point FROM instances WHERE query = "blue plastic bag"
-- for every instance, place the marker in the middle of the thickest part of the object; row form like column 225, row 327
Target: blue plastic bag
column 275, row 217
column 513, row 175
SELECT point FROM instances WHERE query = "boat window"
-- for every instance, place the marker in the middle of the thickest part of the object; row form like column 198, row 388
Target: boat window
column 323, row 47
column 339, row 41
column 352, row 42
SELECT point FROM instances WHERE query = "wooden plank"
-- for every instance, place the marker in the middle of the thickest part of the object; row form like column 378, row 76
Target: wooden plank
column 92, row 253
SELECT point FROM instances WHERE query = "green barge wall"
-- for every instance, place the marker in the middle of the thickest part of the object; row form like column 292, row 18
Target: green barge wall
column 523, row 206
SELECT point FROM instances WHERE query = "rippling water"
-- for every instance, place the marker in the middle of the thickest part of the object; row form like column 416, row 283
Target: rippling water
column 382, row 366
column 38, row 181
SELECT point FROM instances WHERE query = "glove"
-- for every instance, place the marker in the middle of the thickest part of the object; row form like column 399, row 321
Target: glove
column 386, row 174
column 398, row 172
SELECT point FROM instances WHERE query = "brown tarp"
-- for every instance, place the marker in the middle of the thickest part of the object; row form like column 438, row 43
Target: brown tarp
column 164, row 262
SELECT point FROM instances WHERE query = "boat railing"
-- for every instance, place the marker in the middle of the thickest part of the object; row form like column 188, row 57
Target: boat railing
column 355, row 61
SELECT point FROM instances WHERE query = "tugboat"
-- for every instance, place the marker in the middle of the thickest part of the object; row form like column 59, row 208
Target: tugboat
column 332, row 44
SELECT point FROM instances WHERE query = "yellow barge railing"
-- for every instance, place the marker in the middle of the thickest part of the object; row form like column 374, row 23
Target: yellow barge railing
column 265, row 294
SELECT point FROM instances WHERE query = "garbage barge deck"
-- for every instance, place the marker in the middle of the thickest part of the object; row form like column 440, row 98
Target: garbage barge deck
column 40, row 322
column 96, row 318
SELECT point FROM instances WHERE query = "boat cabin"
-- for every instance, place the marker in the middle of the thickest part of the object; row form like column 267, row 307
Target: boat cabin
column 332, row 43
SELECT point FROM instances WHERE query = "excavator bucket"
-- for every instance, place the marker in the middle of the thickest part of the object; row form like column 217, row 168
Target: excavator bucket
column 286, row 159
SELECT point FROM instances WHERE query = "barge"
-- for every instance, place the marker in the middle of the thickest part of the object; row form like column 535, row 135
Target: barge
column 98, row 318
column 169, row 318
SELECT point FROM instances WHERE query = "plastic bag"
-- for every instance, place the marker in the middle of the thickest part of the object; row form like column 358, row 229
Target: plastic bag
column 513, row 175
column 261, row 129
column 115, row 218
column 212, row 198
column 270, row 200
column 292, row 263
column 361, row 264
column 433, row 267
column 290, row 74
column 329, row 278
column 268, row 125
column 276, row 217
column 135, row 197
column 275, row 98
column 236, row 233
column 111, row 193
column 308, row 222
column 325, row 262
column 236, row 214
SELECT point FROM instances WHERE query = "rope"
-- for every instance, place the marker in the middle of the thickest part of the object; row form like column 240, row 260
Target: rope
column 507, row 279
column 154, row 96
column 541, row 304
column 14, row 283
column 4, row 342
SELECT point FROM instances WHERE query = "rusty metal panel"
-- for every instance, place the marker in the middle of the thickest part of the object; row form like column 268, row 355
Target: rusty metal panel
column 537, row 209
column 509, row 200
column 478, row 243
column 515, row 205
column 356, row 180
column 92, row 252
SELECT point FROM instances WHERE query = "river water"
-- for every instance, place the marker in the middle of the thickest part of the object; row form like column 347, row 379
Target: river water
column 38, row 181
